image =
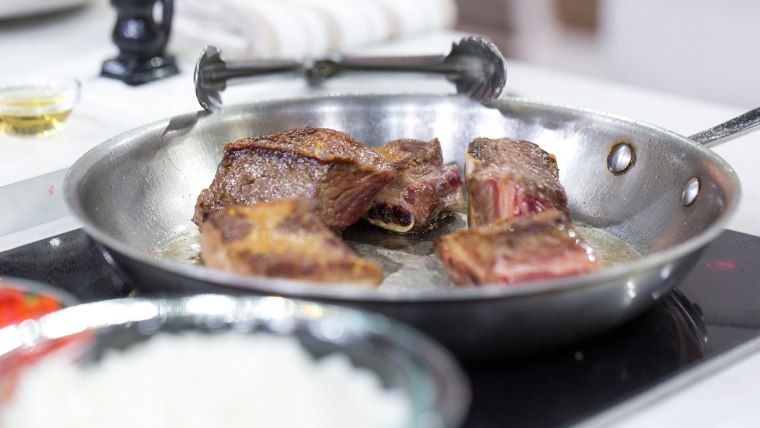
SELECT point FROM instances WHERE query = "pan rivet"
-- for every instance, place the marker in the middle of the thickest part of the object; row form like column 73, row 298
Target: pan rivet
column 621, row 158
column 690, row 191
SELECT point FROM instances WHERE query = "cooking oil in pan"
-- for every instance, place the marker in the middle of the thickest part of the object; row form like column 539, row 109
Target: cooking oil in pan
column 610, row 249
column 184, row 247
column 409, row 261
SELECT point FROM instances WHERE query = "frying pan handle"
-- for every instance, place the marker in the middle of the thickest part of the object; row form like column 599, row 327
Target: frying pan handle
column 729, row 130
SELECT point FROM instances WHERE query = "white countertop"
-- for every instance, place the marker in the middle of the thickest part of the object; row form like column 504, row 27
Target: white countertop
column 75, row 44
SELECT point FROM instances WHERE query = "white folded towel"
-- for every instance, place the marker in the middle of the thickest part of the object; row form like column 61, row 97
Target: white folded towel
column 301, row 28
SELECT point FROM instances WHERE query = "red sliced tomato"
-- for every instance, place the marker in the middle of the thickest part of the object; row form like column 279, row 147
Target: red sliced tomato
column 17, row 305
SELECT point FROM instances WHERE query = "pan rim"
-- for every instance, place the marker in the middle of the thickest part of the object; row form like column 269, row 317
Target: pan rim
column 354, row 293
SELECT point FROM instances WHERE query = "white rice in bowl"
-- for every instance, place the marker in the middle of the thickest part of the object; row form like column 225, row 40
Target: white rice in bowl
column 193, row 379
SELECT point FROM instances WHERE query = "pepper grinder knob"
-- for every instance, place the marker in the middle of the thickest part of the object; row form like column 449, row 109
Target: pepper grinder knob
column 141, row 42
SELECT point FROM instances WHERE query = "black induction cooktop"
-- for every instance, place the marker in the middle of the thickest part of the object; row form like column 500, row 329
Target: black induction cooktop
column 714, row 309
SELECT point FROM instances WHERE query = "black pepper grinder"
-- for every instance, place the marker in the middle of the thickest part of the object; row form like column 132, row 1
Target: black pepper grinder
column 141, row 42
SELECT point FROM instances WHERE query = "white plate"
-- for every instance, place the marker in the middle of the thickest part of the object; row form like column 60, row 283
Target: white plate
column 10, row 9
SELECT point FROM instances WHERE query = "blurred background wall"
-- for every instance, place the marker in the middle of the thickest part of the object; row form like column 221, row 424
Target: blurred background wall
column 704, row 49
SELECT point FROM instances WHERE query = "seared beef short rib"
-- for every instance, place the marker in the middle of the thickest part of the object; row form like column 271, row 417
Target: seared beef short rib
column 423, row 191
column 524, row 248
column 509, row 178
column 283, row 238
column 329, row 166
column 276, row 200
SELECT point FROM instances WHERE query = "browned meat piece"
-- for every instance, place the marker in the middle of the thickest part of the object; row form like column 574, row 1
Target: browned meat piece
column 283, row 238
column 508, row 178
column 513, row 250
column 329, row 166
column 423, row 191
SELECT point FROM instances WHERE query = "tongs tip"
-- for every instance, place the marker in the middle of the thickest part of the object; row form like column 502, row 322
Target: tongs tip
column 483, row 69
column 207, row 89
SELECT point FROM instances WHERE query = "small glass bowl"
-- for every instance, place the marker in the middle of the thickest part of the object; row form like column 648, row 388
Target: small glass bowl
column 35, row 106
column 401, row 358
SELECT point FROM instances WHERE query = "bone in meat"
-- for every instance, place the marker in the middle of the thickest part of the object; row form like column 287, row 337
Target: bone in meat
column 423, row 191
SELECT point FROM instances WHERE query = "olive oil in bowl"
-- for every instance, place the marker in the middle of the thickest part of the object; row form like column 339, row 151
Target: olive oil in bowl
column 36, row 107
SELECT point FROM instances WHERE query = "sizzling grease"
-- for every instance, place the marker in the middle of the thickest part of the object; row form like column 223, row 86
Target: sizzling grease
column 409, row 261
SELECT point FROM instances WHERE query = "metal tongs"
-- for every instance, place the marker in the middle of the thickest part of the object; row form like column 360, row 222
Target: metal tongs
column 474, row 65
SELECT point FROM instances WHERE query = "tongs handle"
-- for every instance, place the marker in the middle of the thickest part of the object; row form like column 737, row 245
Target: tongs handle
column 219, row 73
column 474, row 65
column 333, row 65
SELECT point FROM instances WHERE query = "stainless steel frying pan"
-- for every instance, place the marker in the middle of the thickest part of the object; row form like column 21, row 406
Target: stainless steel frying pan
column 661, row 193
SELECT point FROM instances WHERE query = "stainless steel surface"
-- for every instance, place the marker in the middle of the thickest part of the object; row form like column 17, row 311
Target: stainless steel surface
column 402, row 358
column 728, row 130
column 474, row 65
column 135, row 194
